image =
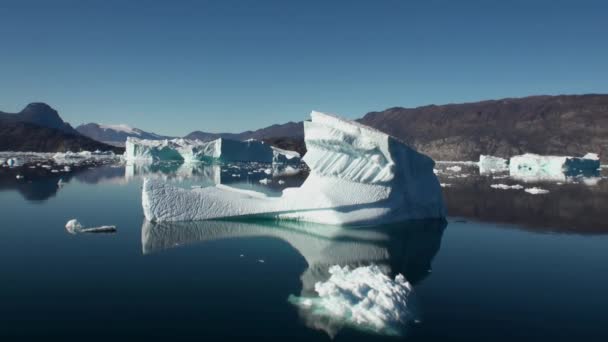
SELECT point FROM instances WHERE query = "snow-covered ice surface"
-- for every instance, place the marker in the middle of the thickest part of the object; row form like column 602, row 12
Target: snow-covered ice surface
column 221, row 149
column 358, row 175
column 534, row 168
column 75, row 227
column 491, row 164
column 364, row 297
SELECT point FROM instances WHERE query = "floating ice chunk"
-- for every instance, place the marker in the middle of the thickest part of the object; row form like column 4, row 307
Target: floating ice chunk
column 358, row 176
column 74, row 227
column 364, row 298
column 536, row 191
column 507, row 187
column 265, row 181
column 280, row 156
column 261, row 261
column 12, row 162
column 195, row 150
column 534, row 167
column 454, row 168
column 491, row 164
column 445, row 185
column 281, row 182
column 19, row 176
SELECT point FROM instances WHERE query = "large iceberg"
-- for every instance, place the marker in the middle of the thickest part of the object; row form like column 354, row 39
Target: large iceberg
column 358, row 175
column 533, row 167
column 195, row 150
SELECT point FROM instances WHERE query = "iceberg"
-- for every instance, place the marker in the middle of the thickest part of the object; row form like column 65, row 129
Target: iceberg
column 358, row 175
column 533, row 167
column 491, row 164
column 364, row 297
column 195, row 150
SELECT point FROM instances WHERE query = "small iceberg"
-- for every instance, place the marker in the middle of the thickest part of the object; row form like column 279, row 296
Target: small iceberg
column 280, row 156
column 74, row 227
column 491, row 164
column 358, row 175
column 506, row 187
column 365, row 298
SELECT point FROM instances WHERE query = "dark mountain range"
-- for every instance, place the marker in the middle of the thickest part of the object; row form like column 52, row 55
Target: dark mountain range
column 39, row 128
column 290, row 129
column 116, row 134
column 561, row 125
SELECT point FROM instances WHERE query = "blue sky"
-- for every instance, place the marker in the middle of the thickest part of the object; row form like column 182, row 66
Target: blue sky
column 176, row 66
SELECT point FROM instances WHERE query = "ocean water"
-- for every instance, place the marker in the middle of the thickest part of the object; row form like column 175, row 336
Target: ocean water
column 505, row 266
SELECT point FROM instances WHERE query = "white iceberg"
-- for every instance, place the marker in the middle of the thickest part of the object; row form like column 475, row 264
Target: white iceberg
column 491, row 164
column 364, row 297
column 533, row 167
column 195, row 150
column 358, row 176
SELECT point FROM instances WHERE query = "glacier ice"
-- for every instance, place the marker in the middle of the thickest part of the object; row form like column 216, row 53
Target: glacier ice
column 364, row 297
column 533, row 167
column 220, row 149
column 491, row 164
column 358, row 176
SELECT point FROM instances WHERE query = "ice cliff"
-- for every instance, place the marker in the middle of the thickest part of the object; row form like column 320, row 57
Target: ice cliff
column 195, row 150
column 358, row 176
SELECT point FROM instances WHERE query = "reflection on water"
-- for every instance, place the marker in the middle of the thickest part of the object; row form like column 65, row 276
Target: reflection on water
column 575, row 204
column 407, row 248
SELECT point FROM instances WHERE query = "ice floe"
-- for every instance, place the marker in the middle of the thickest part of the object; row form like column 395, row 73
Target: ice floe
column 75, row 227
column 358, row 176
column 507, row 187
column 281, row 156
column 536, row 191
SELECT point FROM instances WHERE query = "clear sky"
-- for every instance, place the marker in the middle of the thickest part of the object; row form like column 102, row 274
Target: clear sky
column 175, row 66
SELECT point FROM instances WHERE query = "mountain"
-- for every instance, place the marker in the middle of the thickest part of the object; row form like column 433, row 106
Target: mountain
column 39, row 128
column 561, row 125
column 115, row 134
column 39, row 114
column 290, row 129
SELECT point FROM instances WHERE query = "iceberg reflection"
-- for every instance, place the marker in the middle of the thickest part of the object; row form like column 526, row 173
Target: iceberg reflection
column 406, row 248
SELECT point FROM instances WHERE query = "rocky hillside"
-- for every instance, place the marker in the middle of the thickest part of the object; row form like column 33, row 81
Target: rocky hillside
column 290, row 129
column 39, row 114
column 572, row 125
column 39, row 128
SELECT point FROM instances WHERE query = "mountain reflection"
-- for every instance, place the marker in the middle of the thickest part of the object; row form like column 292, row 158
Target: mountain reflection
column 407, row 248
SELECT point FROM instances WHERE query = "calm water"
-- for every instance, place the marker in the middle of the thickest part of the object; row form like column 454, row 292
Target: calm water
column 541, row 274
